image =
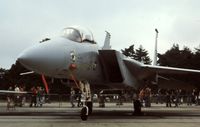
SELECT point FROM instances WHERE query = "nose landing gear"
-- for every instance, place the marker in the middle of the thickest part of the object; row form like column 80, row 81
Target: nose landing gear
column 86, row 100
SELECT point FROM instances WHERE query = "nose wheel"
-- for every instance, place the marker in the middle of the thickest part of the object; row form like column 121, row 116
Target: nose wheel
column 137, row 107
column 84, row 113
column 86, row 110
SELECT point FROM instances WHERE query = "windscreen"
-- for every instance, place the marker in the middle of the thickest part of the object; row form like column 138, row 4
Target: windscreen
column 78, row 34
column 72, row 34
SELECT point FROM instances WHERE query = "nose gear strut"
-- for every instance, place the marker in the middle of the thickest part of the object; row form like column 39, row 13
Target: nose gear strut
column 84, row 87
column 45, row 84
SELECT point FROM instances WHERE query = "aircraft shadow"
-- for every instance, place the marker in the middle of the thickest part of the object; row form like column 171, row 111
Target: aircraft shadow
column 109, row 114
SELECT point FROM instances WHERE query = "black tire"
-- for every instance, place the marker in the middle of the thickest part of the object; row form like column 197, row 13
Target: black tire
column 137, row 107
column 90, row 106
column 84, row 115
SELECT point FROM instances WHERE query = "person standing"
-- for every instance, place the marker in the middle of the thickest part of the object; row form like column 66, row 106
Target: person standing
column 147, row 97
column 72, row 97
column 176, row 98
column 189, row 98
column 17, row 96
column 168, row 99
column 141, row 96
column 9, row 99
column 39, row 96
column 33, row 96
column 79, row 98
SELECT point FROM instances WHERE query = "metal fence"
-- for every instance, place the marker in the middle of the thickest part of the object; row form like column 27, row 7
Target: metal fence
column 107, row 98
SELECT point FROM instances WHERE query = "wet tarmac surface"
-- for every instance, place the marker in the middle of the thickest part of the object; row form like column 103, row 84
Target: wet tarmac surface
column 52, row 115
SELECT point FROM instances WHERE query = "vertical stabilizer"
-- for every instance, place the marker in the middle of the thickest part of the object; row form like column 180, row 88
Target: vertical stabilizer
column 107, row 41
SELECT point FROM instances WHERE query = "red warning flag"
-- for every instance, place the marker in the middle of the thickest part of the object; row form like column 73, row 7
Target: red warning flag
column 45, row 84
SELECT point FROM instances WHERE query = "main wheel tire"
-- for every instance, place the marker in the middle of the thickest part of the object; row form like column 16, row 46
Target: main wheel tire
column 137, row 107
column 84, row 113
column 90, row 106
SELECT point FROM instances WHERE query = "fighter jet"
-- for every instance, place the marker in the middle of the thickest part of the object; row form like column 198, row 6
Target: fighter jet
column 76, row 56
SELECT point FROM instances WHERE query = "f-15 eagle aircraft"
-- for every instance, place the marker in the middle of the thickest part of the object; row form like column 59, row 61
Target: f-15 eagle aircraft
column 75, row 54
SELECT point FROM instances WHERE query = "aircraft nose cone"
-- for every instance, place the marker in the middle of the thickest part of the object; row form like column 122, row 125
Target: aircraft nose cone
column 43, row 58
column 29, row 58
column 22, row 58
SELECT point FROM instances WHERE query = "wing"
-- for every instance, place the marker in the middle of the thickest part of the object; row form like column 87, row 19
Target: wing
column 144, row 71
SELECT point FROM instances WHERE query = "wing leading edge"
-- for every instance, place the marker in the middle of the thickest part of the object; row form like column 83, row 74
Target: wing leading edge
column 144, row 71
column 168, row 70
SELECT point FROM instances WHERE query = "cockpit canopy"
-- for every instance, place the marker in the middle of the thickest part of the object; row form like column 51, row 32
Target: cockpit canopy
column 78, row 34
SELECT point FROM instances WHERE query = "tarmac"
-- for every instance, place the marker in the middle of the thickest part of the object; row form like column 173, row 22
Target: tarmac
column 62, row 115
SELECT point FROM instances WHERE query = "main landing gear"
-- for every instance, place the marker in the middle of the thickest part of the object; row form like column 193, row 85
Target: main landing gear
column 137, row 107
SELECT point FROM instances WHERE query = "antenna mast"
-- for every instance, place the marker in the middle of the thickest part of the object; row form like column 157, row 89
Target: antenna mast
column 155, row 52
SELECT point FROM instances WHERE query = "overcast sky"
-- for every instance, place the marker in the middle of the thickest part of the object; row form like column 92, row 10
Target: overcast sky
column 24, row 23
